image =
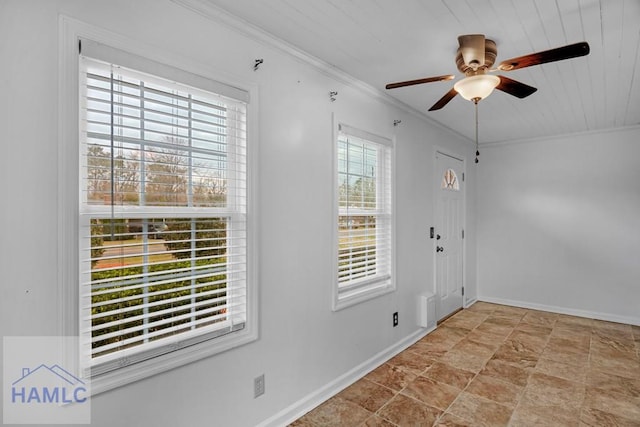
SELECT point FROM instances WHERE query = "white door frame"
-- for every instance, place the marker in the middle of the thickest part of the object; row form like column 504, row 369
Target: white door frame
column 436, row 188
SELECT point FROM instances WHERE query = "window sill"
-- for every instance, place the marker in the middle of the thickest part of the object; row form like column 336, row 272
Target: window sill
column 168, row 361
column 349, row 299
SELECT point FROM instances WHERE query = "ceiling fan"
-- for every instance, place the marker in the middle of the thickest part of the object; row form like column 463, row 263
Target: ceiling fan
column 475, row 57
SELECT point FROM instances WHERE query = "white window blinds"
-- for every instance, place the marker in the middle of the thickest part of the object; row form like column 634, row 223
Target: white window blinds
column 364, row 234
column 162, row 213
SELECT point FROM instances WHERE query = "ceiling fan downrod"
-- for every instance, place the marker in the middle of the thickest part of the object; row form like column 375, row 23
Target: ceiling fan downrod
column 475, row 101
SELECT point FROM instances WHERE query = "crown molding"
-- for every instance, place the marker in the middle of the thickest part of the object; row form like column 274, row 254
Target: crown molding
column 210, row 11
column 633, row 128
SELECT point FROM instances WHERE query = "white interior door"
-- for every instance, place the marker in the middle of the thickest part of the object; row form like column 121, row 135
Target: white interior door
column 449, row 234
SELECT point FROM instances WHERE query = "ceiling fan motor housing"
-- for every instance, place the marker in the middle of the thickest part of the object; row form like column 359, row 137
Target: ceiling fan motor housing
column 479, row 61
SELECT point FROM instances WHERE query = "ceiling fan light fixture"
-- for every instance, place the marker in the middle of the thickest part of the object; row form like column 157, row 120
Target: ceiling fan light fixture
column 478, row 87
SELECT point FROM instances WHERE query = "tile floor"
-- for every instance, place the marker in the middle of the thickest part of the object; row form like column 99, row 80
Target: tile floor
column 495, row 365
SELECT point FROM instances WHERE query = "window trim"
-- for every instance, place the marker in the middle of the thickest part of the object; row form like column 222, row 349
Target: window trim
column 370, row 288
column 70, row 31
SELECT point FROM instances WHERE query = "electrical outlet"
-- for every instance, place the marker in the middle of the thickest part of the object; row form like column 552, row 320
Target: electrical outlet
column 395, row 319
column 258, row 386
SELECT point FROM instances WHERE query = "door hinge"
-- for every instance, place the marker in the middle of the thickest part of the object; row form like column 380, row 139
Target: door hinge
column 462, row 176
column 463, row 233
column 80, row 48
column 463, row 291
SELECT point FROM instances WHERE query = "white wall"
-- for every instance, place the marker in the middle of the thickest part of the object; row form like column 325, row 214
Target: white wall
column 303, row 345
column 559, row 224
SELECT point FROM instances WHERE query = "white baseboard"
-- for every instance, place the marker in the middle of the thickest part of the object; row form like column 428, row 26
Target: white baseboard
column 307, row 403
column 563, row 310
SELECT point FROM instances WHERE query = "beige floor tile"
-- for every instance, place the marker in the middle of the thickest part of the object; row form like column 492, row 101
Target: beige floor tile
column 540, row 318
column 635, row 331
column 570, row 358
column 450, row 420
column 431, row 350
column 411, row 361
column 564, row 319
column 367, row 394
column 483, row 307
column 475, row 348
column 518, row 346
column 517, row 353
column 537, row 413
column 495, row 389
column 479, row 411
column 533, row 329
column 492, row 340
column 466, row 320
column 507, row 309
column 493, row 328
column 507, row 354
column 576, row 344
column 613, row 403
column 451, row 333
column 405, row 411
column 561, row 370
column 614, row 348
column 450, row 375
column 559, row 332
column 554, row 391
column 466, row 324
column 596, row 418
column 571, row 329
column 622, row 366
column 433, row 393
column 504, row 319
column 442, row 339
column 437, row 341
column 337, row 411
column 531, row 343
column 513, row 374
column 390, row 377
column 464, row 360
column 377, row 421
column 603, row 325
column 304, row 421
column 607, row 383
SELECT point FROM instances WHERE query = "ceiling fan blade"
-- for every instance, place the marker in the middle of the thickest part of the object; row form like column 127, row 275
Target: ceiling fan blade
column 558, row 54
column 444, row 100
column 472, row 48
column 419, row 81
column 515, row 88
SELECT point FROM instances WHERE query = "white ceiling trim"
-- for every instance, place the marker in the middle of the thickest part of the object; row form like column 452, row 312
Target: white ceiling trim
column 618, row 129
column 210, row 11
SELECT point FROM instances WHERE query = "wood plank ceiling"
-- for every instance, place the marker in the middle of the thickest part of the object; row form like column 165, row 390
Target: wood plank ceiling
column 383, row 41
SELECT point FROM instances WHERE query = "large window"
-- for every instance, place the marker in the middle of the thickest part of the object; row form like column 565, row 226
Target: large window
column 162, row 215
column 364, row 216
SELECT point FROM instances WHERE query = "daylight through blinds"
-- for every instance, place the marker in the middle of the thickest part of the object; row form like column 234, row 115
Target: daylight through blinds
column 364, row 214
column 162, row 215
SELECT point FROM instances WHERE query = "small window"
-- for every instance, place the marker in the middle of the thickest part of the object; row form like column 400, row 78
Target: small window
column 364, row 217
column 450, row 181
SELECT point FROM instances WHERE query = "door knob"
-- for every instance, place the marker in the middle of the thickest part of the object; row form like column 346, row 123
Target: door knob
column 439, row 249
